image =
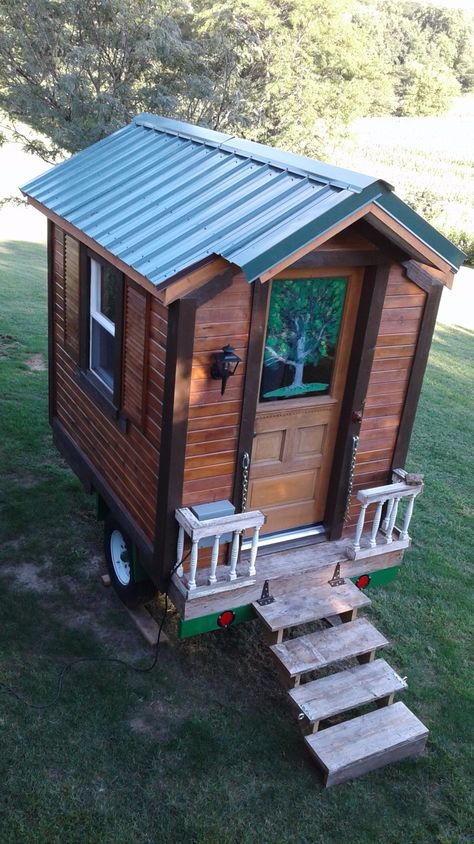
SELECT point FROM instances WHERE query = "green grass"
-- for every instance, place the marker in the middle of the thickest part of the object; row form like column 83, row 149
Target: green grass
column 205, row 748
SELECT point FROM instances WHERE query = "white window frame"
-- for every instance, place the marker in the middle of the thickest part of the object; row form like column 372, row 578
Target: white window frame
column 96, row 314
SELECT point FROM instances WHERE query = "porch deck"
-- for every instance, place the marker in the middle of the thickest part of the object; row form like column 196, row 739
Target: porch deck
column 285, row 569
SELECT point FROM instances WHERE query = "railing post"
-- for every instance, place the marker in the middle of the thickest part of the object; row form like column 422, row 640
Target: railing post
column 360, row 527
column 393, row 516
column 407, row 519
column 253, row 551
column 214, row 558
column 180, row 550
column 234, row 554
column 193, row 565
column 386, row 521
column 376, row 524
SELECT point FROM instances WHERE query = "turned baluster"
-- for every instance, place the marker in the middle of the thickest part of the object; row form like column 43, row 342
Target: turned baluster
column 234, row 555
column 376, row 524
column 253, row 551
column 180, row 550
column 386, row 521
column 214, row 558
column 360, row 527
column 193, row 565
column 393, row 516
column 407, row 519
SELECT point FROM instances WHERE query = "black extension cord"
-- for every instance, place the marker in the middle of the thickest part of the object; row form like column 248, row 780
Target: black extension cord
column 115, row 660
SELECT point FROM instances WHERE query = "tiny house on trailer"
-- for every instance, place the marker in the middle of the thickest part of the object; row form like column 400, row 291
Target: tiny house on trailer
column 237, row 341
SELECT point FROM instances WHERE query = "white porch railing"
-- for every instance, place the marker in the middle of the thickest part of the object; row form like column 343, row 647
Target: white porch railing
column 196, row 530
column 404, row 485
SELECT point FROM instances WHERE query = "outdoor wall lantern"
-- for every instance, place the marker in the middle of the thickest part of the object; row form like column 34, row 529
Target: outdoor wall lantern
column 224, row 365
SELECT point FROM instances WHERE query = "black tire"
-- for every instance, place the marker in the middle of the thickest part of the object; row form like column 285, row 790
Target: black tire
column 118, row 556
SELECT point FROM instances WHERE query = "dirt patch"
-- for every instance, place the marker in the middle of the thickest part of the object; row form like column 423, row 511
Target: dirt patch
column 158, row 719
column 27, row 576
column 36, row 363
column 8, row 345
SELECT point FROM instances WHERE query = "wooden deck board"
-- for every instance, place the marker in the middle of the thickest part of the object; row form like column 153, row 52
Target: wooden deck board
column 312, row 604
column 368, row 742
column 340, row 692
column 318, row 650
column 286, row 570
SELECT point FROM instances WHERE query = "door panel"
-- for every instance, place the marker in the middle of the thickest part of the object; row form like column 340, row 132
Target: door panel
column 294, row 438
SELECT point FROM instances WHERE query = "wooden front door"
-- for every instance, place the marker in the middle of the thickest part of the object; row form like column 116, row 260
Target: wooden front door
column 310, row 328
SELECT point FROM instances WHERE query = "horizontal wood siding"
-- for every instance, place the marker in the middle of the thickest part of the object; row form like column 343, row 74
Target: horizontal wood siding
column 126, row 460
column 394, row 352
column 214, row 420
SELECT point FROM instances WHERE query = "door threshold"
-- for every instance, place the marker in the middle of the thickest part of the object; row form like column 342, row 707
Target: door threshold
column 283, row 537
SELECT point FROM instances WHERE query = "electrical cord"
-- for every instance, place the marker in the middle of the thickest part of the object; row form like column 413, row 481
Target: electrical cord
column 115, row 660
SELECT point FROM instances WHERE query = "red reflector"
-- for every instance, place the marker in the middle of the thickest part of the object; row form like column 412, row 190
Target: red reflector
column 363, row 581
column 226, row 618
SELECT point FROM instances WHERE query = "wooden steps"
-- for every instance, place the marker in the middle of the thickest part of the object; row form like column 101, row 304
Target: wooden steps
column 328, row 696
column 317, row 650
column 363, row 744
column 313, row 604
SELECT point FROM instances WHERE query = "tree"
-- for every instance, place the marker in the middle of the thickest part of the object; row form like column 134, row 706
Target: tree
column 291, row 73
column 75, row 72
column 303, row 325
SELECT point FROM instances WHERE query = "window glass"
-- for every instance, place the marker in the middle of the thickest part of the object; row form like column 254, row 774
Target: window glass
column 302, row 333
column 104, row 281
column 102, row 353
column 108, row 291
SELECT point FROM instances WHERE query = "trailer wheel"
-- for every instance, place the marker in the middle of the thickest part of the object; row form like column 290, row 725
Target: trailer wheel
column 119, row 556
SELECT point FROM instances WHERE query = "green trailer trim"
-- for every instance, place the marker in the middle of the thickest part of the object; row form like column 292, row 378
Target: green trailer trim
column 207, row 623
column 380, row 578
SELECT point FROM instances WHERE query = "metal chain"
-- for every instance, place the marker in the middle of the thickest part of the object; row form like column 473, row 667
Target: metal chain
column 355, row 445
column 245, row 479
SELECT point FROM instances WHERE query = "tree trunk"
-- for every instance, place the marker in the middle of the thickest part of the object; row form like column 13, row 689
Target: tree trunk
column 299, row 362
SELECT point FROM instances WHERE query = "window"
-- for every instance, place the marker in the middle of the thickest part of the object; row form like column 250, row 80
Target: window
column 302, row 333
column 105, row 287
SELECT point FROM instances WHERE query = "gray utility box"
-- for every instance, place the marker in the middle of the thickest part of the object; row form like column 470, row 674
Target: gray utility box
column 214, row 510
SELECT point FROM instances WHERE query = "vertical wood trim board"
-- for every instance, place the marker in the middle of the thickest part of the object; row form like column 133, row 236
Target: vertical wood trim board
column 393, row 360
column 177, row 380
column 372, row 300
column 71, row 296
column 415, row 383
column 134, row 353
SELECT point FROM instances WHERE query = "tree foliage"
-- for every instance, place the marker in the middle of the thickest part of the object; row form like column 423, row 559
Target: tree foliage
column 287, row 72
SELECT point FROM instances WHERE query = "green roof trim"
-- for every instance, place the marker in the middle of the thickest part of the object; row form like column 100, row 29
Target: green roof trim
column 423, row 230
column 287, row 246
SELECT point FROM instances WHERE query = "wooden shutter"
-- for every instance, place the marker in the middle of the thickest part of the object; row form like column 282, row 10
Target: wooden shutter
column 71, row 296
column 135, row 339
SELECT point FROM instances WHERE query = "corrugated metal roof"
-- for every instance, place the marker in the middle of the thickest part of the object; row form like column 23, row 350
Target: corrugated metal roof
column 163, row 195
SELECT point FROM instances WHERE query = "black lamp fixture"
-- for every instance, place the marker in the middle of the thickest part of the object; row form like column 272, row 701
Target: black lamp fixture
column 224, row 365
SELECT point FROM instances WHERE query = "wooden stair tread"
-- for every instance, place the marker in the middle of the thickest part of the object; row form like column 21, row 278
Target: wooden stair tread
column 312, row 604
column 368, row 742
column 317, row 650
column 347, row 689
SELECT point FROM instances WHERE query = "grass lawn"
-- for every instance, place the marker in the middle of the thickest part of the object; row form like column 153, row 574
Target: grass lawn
column 205, row 749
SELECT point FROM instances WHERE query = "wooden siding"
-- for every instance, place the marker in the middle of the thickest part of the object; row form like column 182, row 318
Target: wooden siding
column 393, row 359
column 214, row 420
column 126, row 460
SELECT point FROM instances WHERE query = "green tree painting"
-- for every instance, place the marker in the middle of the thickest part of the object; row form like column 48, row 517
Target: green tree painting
column 303, row 327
